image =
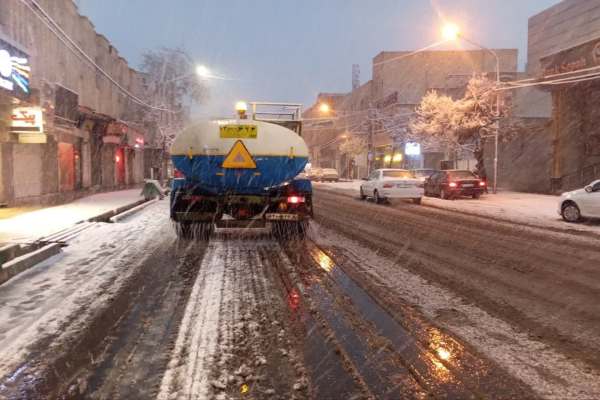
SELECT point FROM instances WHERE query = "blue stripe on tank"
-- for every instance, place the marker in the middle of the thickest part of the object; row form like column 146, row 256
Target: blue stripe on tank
column 270, row 171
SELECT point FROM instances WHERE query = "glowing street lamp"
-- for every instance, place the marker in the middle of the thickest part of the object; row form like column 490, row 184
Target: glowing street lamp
column 203, row 72
column 324, row 108
column 450, row 31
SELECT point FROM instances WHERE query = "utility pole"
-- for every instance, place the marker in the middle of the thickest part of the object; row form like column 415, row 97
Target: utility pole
column 370, row 140
column 497, row 124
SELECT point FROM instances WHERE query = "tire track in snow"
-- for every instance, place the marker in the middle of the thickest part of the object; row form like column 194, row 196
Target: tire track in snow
column 198, row 334
column 233, row 334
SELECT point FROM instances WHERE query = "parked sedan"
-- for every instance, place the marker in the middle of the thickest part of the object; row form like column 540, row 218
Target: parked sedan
column 450, row 184
column 330, row 175
column 583, row 203
column 385, row 184
column 314, row 174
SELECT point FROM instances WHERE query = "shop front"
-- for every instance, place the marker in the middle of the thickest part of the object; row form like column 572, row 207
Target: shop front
column 576, row 116
column 124, row 144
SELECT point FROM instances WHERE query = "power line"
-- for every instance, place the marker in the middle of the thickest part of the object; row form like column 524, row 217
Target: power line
column 72, row 46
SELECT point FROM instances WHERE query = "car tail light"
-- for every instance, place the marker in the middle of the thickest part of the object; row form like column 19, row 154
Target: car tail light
column 482, row 183
column 178, row 174
column 387, row 186
column 295, row 199
column 452, row 184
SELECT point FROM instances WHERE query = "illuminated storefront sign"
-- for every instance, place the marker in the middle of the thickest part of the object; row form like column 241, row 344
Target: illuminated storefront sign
column 14, row 70
column 412, row 149
column 28, row 122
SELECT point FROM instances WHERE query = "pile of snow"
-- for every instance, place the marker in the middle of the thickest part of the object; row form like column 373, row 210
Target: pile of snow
column 35, row 224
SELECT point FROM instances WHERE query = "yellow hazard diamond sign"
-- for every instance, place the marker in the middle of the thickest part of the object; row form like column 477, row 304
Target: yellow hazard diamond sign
column 239, row 157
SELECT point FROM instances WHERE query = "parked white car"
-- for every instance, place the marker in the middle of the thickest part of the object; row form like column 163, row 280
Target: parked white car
column 583, row 203
column 330, row 174
column 385, row 184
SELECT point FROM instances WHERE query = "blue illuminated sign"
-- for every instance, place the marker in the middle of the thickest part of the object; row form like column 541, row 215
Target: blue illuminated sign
column 15, row 71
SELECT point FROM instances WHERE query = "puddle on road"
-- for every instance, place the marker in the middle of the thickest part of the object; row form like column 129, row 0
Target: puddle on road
column 429, row 366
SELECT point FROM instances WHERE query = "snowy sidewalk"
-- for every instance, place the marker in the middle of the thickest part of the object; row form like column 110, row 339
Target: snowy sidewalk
column 43, row 222
column 523, row 208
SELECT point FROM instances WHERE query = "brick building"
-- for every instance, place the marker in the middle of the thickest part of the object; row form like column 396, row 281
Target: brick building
column 65, row 129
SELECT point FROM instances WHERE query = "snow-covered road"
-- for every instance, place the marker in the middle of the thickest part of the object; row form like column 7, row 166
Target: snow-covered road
column 379, row 302
column 57, row 298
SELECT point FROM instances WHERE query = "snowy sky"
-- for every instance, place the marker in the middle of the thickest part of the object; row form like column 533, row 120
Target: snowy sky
column 284, row 50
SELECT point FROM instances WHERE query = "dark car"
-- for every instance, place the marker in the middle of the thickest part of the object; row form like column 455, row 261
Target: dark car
column 453, row 183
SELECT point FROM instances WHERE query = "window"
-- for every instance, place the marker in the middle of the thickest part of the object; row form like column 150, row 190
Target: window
column 461, row 175
column 66, row 103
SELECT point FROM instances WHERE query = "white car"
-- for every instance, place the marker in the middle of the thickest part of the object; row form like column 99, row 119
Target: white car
column 385, row 184
column 583, row 203
column 330, row 174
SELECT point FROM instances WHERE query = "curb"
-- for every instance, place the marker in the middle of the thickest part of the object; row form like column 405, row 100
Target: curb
column 25, row 262
column 13, row 261
column 105, row 217
column 9, row 252
column 128, row 212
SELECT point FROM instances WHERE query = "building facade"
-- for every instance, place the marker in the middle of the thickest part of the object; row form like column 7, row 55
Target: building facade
column 65, row 129
column 564, row 40
column 398, row 84
column 563, row 26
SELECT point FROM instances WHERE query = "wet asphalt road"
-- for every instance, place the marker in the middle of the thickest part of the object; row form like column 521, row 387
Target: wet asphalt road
column 254, row 318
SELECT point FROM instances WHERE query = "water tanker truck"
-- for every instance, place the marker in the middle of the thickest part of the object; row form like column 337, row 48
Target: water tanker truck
column 242, row 174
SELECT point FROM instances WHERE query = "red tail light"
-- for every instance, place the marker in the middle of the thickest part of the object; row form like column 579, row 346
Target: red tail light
column 387, row 186
column 295, row 199
column 178, row 174
column 452, row 184
column 482, row 183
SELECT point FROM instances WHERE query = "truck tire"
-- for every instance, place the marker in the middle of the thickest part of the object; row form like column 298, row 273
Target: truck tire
column 376, row 198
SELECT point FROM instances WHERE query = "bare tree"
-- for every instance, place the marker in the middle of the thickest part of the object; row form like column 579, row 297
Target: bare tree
column 173, row 85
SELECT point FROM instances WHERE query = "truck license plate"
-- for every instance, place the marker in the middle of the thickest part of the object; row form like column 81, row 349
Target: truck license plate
column 282, row 217
column 468, row 185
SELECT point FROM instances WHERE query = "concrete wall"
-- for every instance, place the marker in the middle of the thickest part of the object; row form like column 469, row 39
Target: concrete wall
column 525, row 161
column 565, row 25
